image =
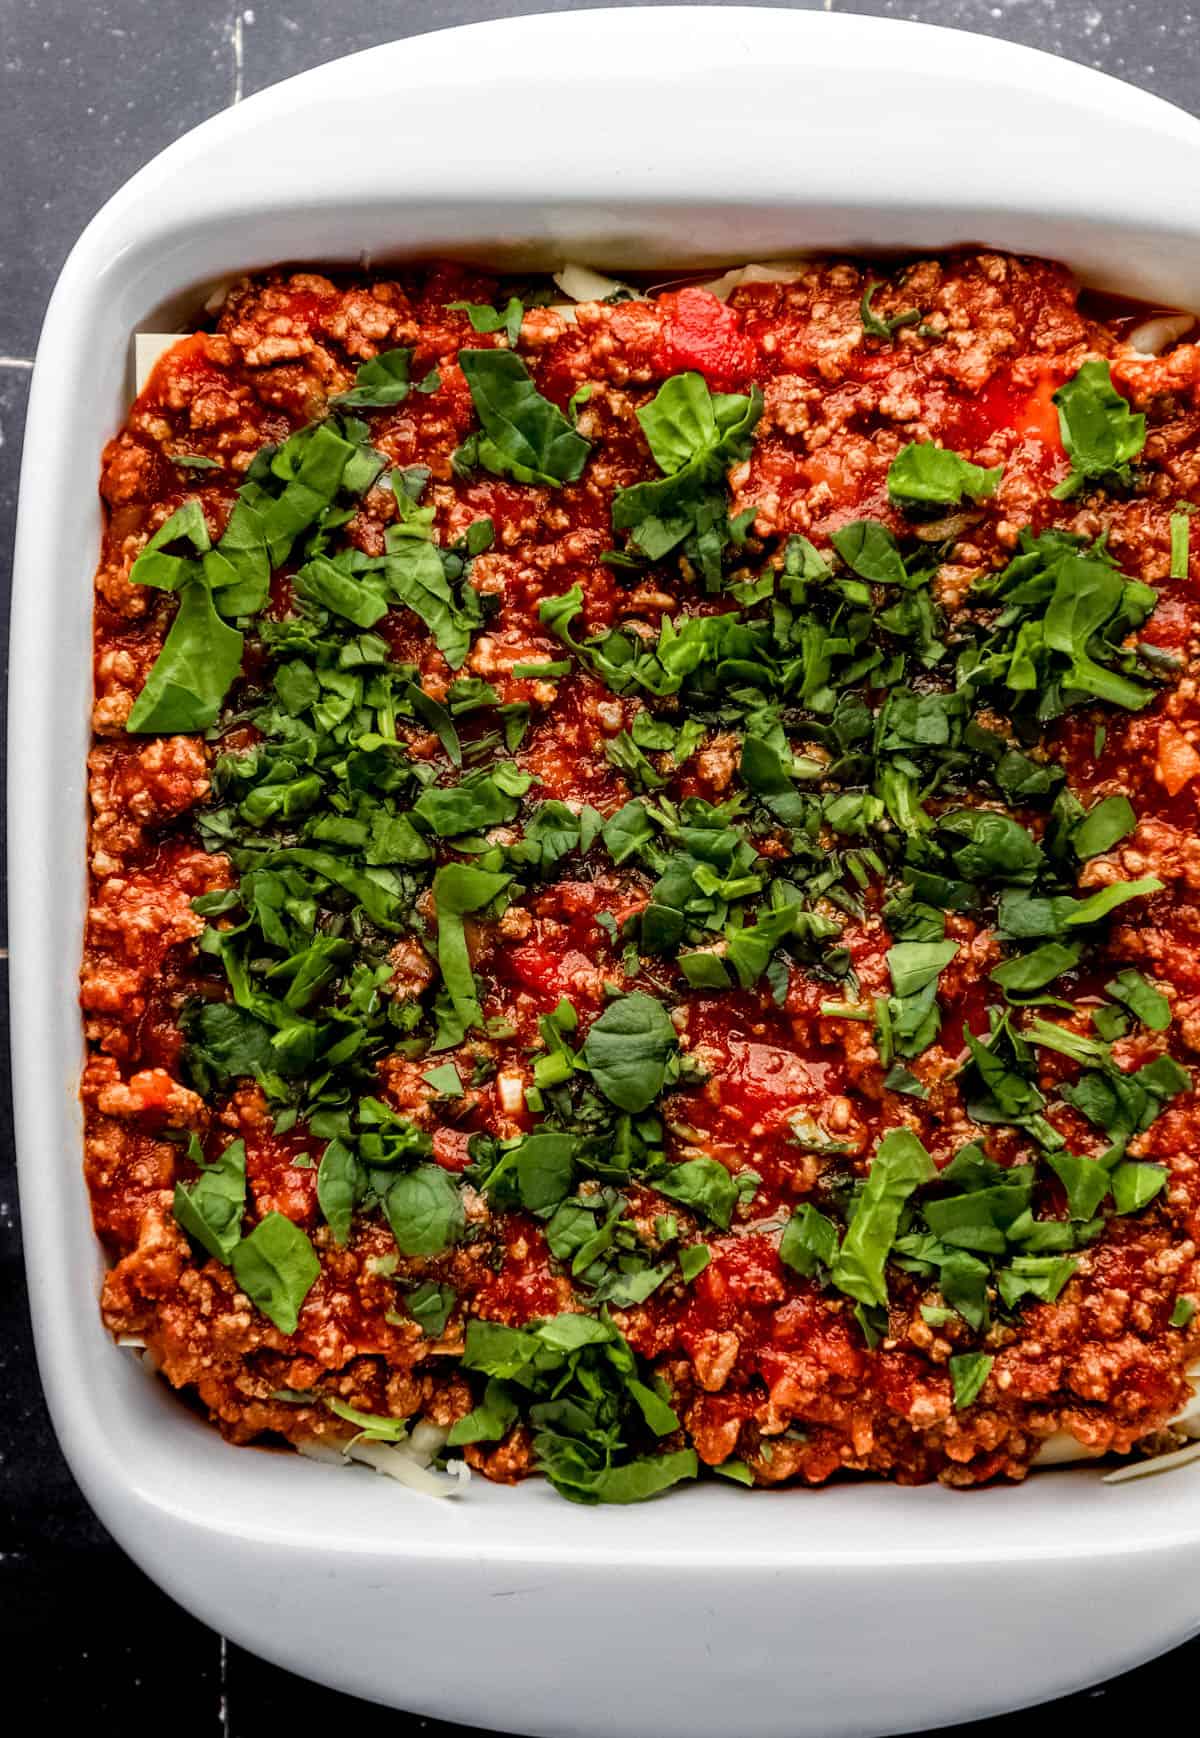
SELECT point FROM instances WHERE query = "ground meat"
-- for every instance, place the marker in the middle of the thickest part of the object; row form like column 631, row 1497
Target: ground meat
column 130, row 789
column 149, row 1096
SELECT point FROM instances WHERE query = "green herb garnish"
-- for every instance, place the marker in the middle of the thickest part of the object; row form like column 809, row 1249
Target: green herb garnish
column 524, row 435
column 873, row 324
column 276, row 1266
column 923, row 475
column 1099, row 431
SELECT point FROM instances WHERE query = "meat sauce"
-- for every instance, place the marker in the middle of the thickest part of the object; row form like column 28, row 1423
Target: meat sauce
column 764, row 1366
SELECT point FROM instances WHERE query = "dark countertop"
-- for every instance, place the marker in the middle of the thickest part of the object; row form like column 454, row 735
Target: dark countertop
column 89, row 90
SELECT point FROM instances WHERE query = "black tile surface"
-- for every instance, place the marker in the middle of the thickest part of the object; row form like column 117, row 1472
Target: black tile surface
column 287, row 39
column 1152, row 43
column 89, row 90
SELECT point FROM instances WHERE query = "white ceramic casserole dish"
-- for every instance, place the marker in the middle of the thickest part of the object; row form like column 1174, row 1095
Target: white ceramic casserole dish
column 658, row 137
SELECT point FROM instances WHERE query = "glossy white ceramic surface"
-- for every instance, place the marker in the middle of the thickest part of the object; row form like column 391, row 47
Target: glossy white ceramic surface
column 852, row 1610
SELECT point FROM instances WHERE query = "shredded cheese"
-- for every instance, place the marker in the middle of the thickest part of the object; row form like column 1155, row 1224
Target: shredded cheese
column 1144, row 1469
column 407, row 1462
column 1154, row 336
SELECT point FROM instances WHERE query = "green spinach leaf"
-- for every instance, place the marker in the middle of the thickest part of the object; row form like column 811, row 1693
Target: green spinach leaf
column 925, row 475
column 210, row 1209
column 968, row 1372
column 457, row 890
column 486, row 319
column 200, row 657
column 425, row 1211
column 628, row 1049
column 809, row 1243
column 276, row 1266
column 341, row 1182
column 1144, row 1002
column 901, row 1164
column 704, row 1185
column 379, row 383
column 431, row 1305
column 524, row 435
column 1099, row 431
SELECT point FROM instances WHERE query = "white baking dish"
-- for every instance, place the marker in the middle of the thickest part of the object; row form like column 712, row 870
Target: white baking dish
column 625, row 138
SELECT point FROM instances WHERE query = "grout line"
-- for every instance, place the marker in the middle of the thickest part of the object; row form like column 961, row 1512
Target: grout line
column 223, row 1704
column 16, row 362
column 237, row 42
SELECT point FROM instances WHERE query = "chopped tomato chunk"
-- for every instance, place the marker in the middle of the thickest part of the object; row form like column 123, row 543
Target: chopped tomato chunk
column 700, row 332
